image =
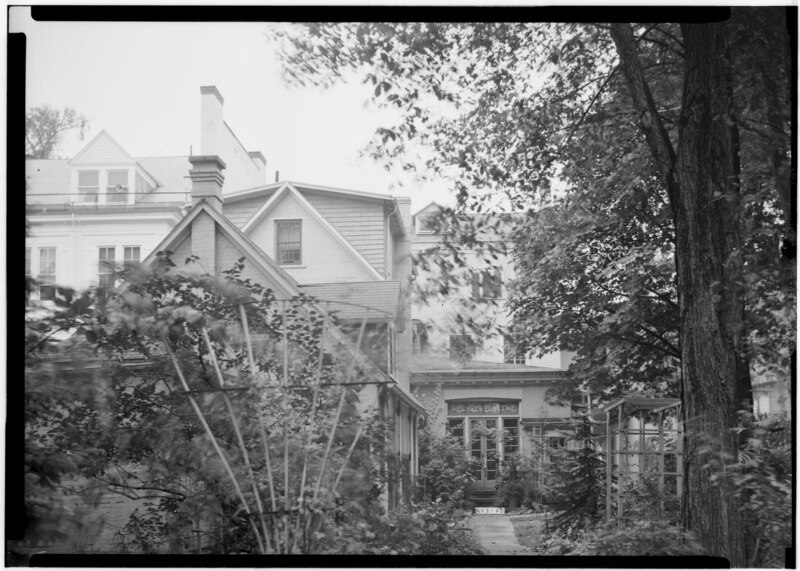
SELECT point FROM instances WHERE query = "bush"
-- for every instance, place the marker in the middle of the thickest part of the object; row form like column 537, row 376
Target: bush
column 762, row 480
column 431, row 529
column 445, row 469
column 641, row 538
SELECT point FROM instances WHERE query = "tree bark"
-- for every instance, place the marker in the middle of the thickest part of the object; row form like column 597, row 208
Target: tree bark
column 703, row 187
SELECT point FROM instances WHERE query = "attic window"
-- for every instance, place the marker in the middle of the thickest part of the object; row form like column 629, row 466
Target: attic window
column 427, row 224
column 117, row 187
column 88, row 186
column 288, row 242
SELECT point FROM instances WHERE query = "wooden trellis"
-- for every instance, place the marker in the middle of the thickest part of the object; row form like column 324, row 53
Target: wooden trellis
column 641, row 433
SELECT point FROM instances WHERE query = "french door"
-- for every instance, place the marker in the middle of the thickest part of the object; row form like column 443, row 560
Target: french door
column 483, row 448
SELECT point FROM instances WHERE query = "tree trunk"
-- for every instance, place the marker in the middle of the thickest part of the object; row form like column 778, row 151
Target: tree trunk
column 703, row 187
column 709, row 261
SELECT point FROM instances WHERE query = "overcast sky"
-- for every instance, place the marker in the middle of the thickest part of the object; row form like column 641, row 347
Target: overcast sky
column 141, row 81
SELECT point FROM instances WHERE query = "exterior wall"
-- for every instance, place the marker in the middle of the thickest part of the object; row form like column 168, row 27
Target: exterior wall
column 442, row 315
column 361, row 222
column 77, row 243
column 401, row 271
column 324, row 259
column 241, row 211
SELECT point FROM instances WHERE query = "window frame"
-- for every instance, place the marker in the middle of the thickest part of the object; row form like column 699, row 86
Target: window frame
column 111, row 189
column 125, row 259
column 46, row 280
column 105, row 273
column 96, row 188
column 462, row 337
column 278, row 224
column 486, row 284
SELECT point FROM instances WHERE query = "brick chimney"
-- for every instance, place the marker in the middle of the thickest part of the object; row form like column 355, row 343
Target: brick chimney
column 207, row 179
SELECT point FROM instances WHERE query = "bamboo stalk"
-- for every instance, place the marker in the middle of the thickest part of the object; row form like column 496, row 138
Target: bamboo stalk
column 259, row 414
column 261, row 426
column 339, row 409
column 237, row 430
column 304, row 521
column 285, row 431
column 211, row 437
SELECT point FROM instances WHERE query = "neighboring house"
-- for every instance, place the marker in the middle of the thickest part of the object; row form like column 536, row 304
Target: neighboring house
column 104, row 205
column 348, row 249
column 480, row 386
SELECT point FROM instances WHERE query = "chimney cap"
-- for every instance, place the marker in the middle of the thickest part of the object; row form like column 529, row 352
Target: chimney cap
column 211, row 90
column 198, row 160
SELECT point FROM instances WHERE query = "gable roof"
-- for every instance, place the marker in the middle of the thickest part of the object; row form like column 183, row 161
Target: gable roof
column 259, row 190
column 269, row 267
column 113, row 145
column 288, row 189
column 246, row 246
column 359, row 300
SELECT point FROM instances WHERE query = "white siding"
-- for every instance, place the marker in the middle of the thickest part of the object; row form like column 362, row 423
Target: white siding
column 324, row 259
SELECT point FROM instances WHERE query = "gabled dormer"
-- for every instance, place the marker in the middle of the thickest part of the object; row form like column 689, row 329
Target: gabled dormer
column 104, row 174
column 427, row 221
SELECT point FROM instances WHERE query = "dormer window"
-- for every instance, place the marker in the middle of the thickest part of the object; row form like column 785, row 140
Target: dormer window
column 88, row 186
column 426, row 223
column 117, row 187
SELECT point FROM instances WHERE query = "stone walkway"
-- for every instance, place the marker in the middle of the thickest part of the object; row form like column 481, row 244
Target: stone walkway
column 495, row 533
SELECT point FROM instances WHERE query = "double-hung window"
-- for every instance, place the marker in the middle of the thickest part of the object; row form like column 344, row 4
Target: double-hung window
column 105, row 267
column 462, row 347
column 88, row 186
column 486, row 284
column 47, row 274
column 131, row 255
column 117, row 187
column 288, row 242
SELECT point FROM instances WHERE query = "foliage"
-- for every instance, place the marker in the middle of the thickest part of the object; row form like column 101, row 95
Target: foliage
column 45, row 127
column 437, row 528
column 691, row 119
column 640, row 538
column 519, row 477
column 579, row 483
column 762, row 480
column 445, row 468
column 138, row 433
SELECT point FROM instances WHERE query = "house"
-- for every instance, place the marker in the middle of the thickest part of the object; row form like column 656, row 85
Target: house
column 476, row 386
column 349, row 250
column 104, row 205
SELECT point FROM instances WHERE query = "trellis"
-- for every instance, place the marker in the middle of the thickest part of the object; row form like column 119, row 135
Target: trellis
column 289, row 522
column 641, row 433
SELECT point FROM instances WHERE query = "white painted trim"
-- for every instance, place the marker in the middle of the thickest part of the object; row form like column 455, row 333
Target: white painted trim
column 251, row 192
column 77, row 158
column 266, row 207
column 133, row 217
column 314, row 213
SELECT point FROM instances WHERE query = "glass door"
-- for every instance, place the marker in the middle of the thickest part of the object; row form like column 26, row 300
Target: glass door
column 483, row 448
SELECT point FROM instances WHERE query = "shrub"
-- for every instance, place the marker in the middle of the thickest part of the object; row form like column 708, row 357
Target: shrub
column 445, row 468
column 640, row 538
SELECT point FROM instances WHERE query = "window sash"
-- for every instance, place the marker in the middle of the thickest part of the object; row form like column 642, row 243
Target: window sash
column 461, row 347
column 47, row 274
column 288, row 242
column 131, row 254
column 117, row 186
column 88, row 186
column 105, row 266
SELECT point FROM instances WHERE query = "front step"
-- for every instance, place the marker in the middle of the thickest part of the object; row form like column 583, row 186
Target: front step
column 489, row 511
column 483, row 498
